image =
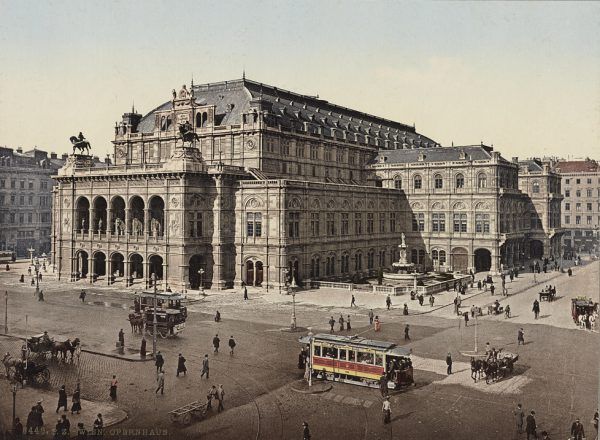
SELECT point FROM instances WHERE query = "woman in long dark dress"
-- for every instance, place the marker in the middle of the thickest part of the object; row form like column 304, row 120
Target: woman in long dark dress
column 76, row 406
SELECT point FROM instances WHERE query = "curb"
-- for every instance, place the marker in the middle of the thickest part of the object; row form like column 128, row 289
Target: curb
column 85, row 350
column 323, row 388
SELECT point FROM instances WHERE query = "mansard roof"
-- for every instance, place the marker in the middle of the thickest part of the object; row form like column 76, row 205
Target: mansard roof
column 532, row 164
column 438, row 154
column 297, row 111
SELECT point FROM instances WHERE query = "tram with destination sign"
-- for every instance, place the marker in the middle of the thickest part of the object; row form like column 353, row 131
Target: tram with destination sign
column 357, row 360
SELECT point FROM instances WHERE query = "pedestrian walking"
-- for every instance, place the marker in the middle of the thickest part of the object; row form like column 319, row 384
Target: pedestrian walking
column 39, row 410
column 17, row 426
column 31, row 426
column 421, row 299
column 231, row 345
column 181, row 365
column 431, row 300
column 66, row 427
column 82, row 295
column 383, row 385
column 377, row 324
column 478, row 284
column 406, row 330
column 245, row 293
column 62, row 399
column 216, row 343
column 519, row 416
column 305, row 431
column 205, row 369
column 82, row 433
column 159, row 362
column 76, row 400
column 449, row 364
column 531, row 426
column 371, row 315
column 160, row 380
column 405, row 310
column 331, row 324
column 212, row 393
column 353, row 302
column 98, row 431
column 143, row 347
column 348, row 327
column 113, row 387
column 595, row 422
column 536, row 308
column 341, row 322
column 121, row 338
column 466, row 316
column 521, row 336
column 388, row 302
column 492, row 289
column 577, row 432
column 220, row 398
column 387, row 410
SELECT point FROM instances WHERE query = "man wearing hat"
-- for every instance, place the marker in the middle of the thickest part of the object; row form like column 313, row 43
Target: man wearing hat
column 530, row 427
column 305, row 431
column 577, row 430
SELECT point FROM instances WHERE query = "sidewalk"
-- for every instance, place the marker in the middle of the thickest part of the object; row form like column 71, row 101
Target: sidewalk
column 28, row 397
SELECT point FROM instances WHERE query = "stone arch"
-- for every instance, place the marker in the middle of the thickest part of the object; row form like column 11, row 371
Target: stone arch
column 459, row 206
column 99, row 268
column 459, row 259
column 136, row 266
column 117, row 265
column 156, row 204
column 81, row 268
column 483, row 260
column 253, row 202
column 536, row 249
column 416, row 206
column 100, row 210
column 437, row 205
column 117, row 222
column 482, row 206
column 331, row 204
column 82, row 221
column 295, row 203
column 136, row 217
column 316, row 204
column 155, row 266
column 198, row 264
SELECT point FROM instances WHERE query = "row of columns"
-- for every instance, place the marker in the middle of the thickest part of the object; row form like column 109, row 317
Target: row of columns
column 146, row 229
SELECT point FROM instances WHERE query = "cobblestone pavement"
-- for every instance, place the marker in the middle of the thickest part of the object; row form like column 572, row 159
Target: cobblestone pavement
column 556, row 373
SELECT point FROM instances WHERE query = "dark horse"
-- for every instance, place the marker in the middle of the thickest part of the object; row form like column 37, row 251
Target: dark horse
column 80, row 144
column 137, row 323
column 476, row 368
column 186, row 133
column 65, row 347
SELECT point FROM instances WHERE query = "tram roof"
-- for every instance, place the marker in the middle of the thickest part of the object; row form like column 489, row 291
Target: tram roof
column 174, row 296
column 359, row 341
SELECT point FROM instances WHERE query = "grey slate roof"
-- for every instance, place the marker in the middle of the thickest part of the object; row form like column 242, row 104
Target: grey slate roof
column 438, row 154
column 531, row 164
column 301, row 112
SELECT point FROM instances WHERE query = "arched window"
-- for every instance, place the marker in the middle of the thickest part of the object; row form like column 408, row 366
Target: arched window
column 198, row 119
column 398, row 182
column 481, row 180
column 460, row 181
column 438, row 181
column 421, row 256
column 418, row 182
column 442, row 258
column 434, row 256
column 536, row 186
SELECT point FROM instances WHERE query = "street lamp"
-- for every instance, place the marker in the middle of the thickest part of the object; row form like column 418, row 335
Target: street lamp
column 201, row 273
column 154, row 322
column 285, row 273
column 6, row 312
column 292, row 287
column 37, row 277
column 14, row 393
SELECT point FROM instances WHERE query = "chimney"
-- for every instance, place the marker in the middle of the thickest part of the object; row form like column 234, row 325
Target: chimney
column 64, row 156
column 53, row 156
column 515, row 160
column 19, row 150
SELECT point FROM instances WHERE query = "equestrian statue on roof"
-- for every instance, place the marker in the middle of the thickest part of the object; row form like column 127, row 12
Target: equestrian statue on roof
column 187, row 133
column 80, row 143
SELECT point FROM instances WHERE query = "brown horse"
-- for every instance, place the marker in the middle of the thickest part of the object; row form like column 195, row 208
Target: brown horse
column 64, row 348
column 10, row 362
column 137, row 323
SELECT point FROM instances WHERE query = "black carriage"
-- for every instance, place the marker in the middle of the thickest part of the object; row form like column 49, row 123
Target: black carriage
column 582, row 306
column 169, row 322
column 31, row 372
column 39, row 345
column 547, row 295
column 506, row 362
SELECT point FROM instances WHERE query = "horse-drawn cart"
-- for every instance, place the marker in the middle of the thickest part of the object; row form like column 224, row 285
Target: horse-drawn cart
column 547, row 295
column 184, row 414
column 40, row 346
column 26, row 371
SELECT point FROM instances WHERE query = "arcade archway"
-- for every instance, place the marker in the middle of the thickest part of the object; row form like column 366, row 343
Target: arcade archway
column 196, row 278
column 136, row 266
column 99, row 264
column 81, row 264
column 460, row 259
column 536, row 249
column 483, row 260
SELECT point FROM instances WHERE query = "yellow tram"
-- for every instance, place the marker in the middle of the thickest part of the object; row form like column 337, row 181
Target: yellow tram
column 357, row 360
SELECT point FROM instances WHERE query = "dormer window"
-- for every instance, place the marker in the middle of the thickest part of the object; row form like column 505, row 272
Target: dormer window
column 422, row 157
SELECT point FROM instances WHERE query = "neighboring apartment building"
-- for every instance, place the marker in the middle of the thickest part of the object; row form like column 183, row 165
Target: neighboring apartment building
column 26, row 199
column 581, row 204
column 540, row 181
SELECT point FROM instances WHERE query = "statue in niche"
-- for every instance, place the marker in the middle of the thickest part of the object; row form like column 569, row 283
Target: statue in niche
column 83, row 224
column 137, row 226
column 118, row 226
column 155, row 226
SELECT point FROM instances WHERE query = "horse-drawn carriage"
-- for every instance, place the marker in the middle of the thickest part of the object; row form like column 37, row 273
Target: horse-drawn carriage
column 171, row 313
column 493, row 367
column 25, row 370
column 40, row 346
column 582, row 306
column 547, row 295
column 495, row 308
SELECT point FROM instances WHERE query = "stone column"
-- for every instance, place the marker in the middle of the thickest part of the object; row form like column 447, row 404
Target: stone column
column 164, row 277
column 146, row 270
column 108, row 271
column 147, row 217
column 91, row 269
column 109, row 220
column 73, row 268
column 127, row 269
column 92, row 221
column 127, row 221
column 217, row 239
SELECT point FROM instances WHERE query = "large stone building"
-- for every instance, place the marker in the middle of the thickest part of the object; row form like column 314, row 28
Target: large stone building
column 26, row 199
column 269, row 184
column 581, row 204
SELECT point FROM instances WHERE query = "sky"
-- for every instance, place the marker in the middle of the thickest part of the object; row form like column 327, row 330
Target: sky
column 522, row 76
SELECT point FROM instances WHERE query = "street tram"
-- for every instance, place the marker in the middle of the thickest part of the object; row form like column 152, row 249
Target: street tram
column 171, row 312
column 357, row 360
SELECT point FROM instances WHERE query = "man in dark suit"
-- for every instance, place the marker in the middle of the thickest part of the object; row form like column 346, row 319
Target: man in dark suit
column 531, row 427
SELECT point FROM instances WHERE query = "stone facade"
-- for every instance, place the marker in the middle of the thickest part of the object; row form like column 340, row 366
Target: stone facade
column 242, row 183
column 26, row 199
column 581, row 204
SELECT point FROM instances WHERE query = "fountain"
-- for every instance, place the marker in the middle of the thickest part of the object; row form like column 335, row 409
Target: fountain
column 403, row 273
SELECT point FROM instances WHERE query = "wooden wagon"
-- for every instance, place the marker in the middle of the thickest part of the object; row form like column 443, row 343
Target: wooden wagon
column 184, row 414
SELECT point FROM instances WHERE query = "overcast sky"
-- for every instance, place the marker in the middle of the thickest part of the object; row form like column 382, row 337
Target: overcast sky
column 524, row 77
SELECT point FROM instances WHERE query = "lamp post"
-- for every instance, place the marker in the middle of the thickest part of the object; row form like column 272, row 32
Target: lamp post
column 31, row 251
column 6, row 312
column 14, row 393
column 292, row 287
column 285, row 273
column 37, row 278
column 201, row 273
column 154, row 322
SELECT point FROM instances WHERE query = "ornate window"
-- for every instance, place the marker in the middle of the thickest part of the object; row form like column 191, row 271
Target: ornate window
column 460, row 181
column 253, row 224
column 417, row 182
column 196, row 224
column 315, row 229
column 460, row 222
column 294, row 224
column 398, row 182
column 345, row 227
column 536, row 187
column 358, row 223
column 382, row 222
column 418, row 222
column 330, row 224
column 482, row 223
column 371, row 259
column 438, row 222
column 438, row 182
column 358, row 261
column 481, row 180
column 369, row 223
column 392, row 222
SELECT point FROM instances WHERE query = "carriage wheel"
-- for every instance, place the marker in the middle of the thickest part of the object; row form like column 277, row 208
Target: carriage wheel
column 43, row 376
column 163, row 333
column 186, row 419
column 174, row 417
column 11, row 372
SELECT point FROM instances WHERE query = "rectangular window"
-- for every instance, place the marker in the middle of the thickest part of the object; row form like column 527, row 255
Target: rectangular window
column 344, row 229
column 392, row 222
column 567, row 219
column 21, row 200
column 589, row 192
column 567, row 193
column 254, row 224
column 22, row 184
column 358, row 223
column 438, row 222
column 567, row 181
column 589, row 206
column 13, row 183
column 460, row 222
column 1, row 199
column 578, row 193
column 315, row 229
column 369, row 223
column 2, row 183
column 330, row 224
column 589, row 220
column 578, row 181
column 30, row 218
column 578, row 220
column 31, row 184
column 567, row 206
column 578, row 207
column 12, row 218
column 21, row 218
column 589, row 181
column 482, row 223
column 418, row 222
column 382, row 222
column 294, row 224
column 30, row 200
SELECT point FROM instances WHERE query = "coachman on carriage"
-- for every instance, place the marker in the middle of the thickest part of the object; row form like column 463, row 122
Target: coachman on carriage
column 493, row 366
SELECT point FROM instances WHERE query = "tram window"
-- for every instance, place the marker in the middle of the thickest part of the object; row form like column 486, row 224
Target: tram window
column 317, row 350
column 351, row 356
column 332, row 353
column 379, row 360
column 343, row 352
column 365, row 358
